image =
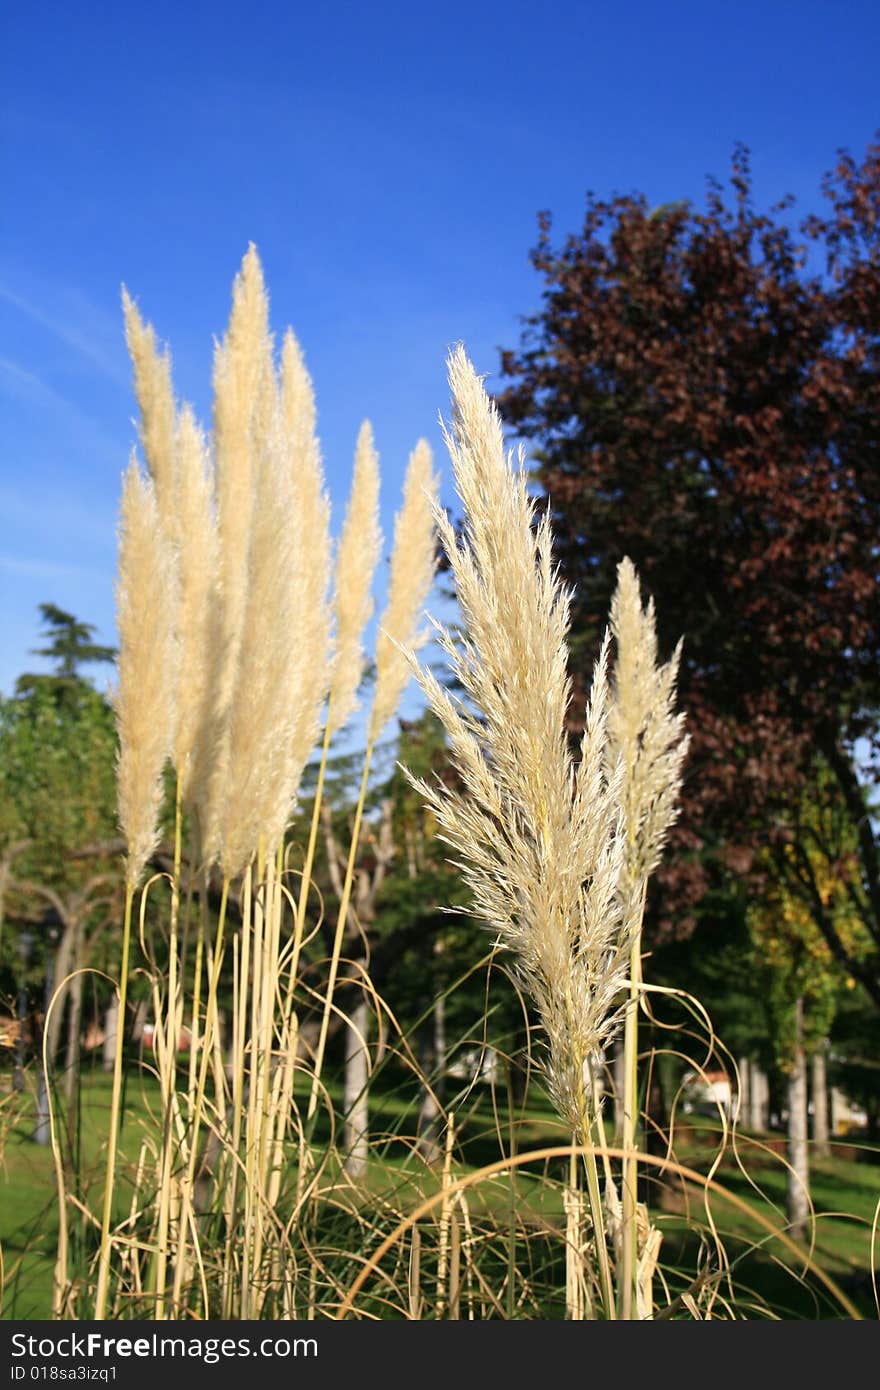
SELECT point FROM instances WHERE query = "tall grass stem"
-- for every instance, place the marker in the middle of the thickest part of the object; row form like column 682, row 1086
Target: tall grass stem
column 115, row 1107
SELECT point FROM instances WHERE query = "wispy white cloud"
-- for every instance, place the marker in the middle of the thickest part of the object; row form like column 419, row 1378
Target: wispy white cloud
column 69, row 333
column 26, row 385
column 32, row 387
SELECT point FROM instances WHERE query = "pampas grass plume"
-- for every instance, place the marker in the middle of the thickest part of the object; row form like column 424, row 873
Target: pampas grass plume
column 242, row 370
column 537, row 841
column 312, row 522
column 240, row 367
column 413, row 562
column 646, row 736
column 155, row 398
column 197, row 570
column 357, row 557
column 144, row 703
column 265, row 694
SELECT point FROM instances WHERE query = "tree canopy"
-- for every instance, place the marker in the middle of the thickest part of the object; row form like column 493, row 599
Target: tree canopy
column 69, row 644
column 703, row 390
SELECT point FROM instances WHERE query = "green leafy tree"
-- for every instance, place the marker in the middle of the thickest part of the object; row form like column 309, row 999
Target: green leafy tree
column 58, row 832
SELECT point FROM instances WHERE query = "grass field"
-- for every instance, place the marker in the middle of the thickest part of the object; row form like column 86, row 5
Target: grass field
column 845, row 1192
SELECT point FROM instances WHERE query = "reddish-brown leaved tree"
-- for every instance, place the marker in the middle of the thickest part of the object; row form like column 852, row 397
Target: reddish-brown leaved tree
column 704, row 396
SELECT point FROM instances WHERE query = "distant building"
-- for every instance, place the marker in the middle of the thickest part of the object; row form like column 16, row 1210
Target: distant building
column 707, row 1092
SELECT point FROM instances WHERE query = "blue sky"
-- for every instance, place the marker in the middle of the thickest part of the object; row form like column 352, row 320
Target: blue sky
column 388, row 160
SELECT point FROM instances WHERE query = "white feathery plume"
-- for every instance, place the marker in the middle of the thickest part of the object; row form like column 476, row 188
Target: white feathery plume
column 147, row 667
column 356, row 560
column 311, row 520
column 242, row 380
column 413, row 563
column 197, row 561
column 155, row 398
column 645, row 736
column 535, row 837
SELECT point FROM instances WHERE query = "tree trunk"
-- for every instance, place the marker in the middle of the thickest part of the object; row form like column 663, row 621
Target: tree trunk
column 758, row 1097
column 834, row 1104
column 355, row 1101
column 42, row 1127
column 65, row 960
column 821, row 1146
column 655, row 1124
column 440, row 1038
column 356, row 1095
column 433, row 1064
column 743, row 1091
column 111, row 1029
column 798, row 1183
column 74, row 1025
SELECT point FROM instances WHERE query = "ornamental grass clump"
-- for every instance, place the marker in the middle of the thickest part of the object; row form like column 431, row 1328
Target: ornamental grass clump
column 553, row 848
column 232, row 654
column 231, row 1196
column 535, row 833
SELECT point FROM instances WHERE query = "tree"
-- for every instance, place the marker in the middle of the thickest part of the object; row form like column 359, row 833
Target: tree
column 57, row 817
column 801, row 985
column 701, row 402
column 70, row 646
column 854, row 1063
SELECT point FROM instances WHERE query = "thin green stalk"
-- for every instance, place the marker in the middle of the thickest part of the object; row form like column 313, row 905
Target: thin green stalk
column 265, row 1044
column 251, row 1196
column 340, row 930
column 104, row 1256
column 511, row 1231
column 282, row 1086
column 277, row 1100
column 230, row 1187
column 200, row 929
column 196, row 1004
column 309, row 861
column 169, row 1079
column 289, row 1025
column 201, row 934
column 572, row 1237
column 628, row 1288
column 238, row 1071
column 198, row 1099
column 594, row 1194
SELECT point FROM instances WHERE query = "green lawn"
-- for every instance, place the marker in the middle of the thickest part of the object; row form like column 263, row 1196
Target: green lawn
column 28, row 1203
column 845, row 1191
